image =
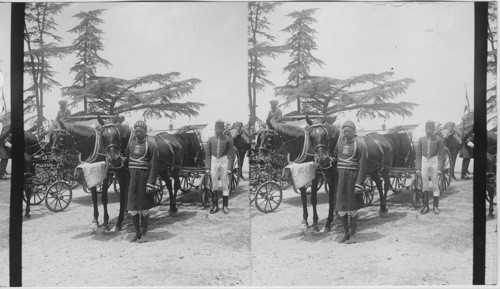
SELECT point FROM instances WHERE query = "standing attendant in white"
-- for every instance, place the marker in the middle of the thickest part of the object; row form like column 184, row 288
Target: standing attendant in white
column 220, row 159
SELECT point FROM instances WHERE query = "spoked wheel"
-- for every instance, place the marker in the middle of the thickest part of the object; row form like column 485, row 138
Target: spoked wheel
column 445, row 177
column 58, row 196
column 158, row 192
column 416, row 192
column 368, row 191
column 37, row 194
column 268, row 197
column 186, row 183
column 206, row 191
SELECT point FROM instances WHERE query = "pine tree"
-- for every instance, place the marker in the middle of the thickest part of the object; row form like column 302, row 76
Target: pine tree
column 42, row 45
column 155, row 95
column 491, row 102
column 260, row 47
column 87, row 45
column 301, row 44
column 368, row 94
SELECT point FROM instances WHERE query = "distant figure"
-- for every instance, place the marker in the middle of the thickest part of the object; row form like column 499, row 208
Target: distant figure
column 467, row 153
column 430, row 162
column 275, row 112
column 5, row 153
column 64, row 113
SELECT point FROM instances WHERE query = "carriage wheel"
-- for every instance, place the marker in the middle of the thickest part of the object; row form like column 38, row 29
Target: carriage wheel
column 158, row 196
column 268, row 197
column 187, row 183
column 369, row 188
column 234, row 180
column 416, row 192
column 37, row 194
column 445, row 177
column 58, row 196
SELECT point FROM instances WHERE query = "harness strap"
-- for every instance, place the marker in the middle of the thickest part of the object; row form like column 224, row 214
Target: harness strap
column 97, row 147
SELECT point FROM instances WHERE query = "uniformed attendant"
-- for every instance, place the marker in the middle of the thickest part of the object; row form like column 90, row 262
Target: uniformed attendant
column 275, row 113
column 430, row 162
column 143, row 158
column 5, row 150
column 219, row 158
column 64, row 113
column 351, row 157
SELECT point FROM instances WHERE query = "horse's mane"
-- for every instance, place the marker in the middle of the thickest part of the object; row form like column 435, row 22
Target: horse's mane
column 79, row 129
column 287, row 129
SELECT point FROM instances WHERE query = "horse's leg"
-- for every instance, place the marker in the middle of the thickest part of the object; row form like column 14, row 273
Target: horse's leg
column 104, row 201
column 28, row 193
column 93, row 192
column 378, row 184
column 314, row 202
column 330, row 181
column 387, row 186
column 168, row 183
column 303, row 197
column 121, row 175
column 453, row 160
column 491, row 193
column 177, row 186
column 241, row 159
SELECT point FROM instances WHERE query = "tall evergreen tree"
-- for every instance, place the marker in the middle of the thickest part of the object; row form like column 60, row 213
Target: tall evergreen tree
column 491, row 102
column 301, row 44
column 87, row 45
column 260, row 47
column 42, row 44
column 156, row 95
column 370, row 95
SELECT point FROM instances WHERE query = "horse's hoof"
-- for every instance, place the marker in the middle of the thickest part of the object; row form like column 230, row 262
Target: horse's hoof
column 143, row 239
column 383, row 214
column 491, row 215
column 134, row 237
column 94, row 224
column 315, row 228
column 304, row 225
column 27, row 217
column 117, row 227
column 351, row 240
column 327, row 228
column 342, row 239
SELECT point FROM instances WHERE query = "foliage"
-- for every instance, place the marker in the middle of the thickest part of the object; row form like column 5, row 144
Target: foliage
column 87, row 45
column 155, row 95
column 258, row 27
column 300, row 45
column 369, row 94
column 42, row 44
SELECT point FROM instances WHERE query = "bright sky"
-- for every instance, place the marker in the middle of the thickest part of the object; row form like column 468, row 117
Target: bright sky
column 200, row 40
column 429, row 42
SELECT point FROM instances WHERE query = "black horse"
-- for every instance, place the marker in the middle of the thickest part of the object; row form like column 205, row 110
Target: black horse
column 115, row 138
column 72, row 141
column 453, row 141
column 323, row 139
column 293, row 140
column 241, row 139
column 177, row 151
column 32, row 148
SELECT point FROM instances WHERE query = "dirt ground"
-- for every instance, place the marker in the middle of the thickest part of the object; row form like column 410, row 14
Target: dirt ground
column 249, row 248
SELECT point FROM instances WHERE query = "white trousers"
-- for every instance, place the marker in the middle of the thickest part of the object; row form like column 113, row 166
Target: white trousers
column 429, row 170
column 220, row 179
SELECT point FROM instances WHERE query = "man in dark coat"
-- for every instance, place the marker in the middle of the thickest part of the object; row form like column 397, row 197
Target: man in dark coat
column 351, row 155
column 430, row 162
column 64, row 113
column 142, row 155
column 275, row 113
column 467, row 153
column 219, row 161
column 5, row 150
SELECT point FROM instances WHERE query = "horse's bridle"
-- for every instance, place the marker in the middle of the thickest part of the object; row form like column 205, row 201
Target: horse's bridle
column 120, row 155
column 66, row 135
column 324, row 146
column 271, row 134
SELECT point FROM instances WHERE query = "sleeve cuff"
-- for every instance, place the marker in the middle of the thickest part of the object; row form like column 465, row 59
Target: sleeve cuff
column 150, row 186
column 358, row 186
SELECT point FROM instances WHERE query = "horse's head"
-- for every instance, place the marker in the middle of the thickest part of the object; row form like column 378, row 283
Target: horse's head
column 61, row 142
column 319, row 139
column 236, row 129
column 111, row 142
column 268, row 142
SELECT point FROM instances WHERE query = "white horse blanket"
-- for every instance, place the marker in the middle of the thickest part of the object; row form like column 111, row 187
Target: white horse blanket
column 94, row 173
column 302, row 174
